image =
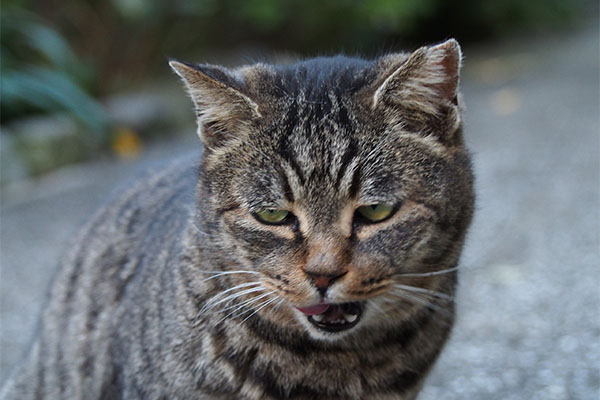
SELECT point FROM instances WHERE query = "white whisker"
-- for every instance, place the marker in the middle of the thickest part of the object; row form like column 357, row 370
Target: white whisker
column 377, row 307
column 210, row 304
column 243, row 305
column 221, row 273
column 261, row 307
column 246, row 308
column 240, row 286
column 279, row 303
column 199, row 230
column 237, row 306
column 426, row 274
column 416, row 299
column 433, row 293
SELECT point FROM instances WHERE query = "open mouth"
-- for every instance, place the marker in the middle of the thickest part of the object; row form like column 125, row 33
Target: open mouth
column 334, row 317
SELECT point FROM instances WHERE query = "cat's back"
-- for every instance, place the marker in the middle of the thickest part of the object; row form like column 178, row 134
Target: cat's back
column 141, row 217
column 96, row 291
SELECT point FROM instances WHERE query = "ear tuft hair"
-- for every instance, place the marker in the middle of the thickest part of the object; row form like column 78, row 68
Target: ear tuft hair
column 420, row 91
column 224, row 111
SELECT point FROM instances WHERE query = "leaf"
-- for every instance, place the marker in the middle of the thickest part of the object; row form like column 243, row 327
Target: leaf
column 52, row 90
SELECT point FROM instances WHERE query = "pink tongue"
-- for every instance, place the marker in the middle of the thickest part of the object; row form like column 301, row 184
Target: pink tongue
column 314, row 310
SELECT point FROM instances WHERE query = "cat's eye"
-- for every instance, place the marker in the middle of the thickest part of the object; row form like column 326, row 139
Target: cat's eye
column 375, row 212
column 273, row 216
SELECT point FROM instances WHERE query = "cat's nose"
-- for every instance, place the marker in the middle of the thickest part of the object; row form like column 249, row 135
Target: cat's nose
column 322, row 282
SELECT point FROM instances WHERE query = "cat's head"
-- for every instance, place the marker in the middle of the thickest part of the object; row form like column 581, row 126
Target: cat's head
column 338, row 188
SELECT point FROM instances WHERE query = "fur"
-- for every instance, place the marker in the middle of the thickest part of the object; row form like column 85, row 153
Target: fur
column 177, row 291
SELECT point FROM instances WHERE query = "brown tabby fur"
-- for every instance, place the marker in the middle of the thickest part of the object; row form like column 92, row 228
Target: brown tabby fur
column 176, row 291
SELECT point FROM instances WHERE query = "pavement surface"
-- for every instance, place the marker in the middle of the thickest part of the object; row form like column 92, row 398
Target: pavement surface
column 529, row 302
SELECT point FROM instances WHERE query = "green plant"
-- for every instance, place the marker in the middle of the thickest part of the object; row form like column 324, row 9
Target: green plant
column 40, row 73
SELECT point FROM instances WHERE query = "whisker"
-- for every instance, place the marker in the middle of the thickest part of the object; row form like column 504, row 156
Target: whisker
column 289, row 319
column 433, row 293
column 261, row 307
column 242, row 305
column 377, row 307
column 415, row 299
column 279, row 303
column 240, row 286
column 244, row 308
column 237, row 306
column 199, row 230
column 426, row 274
column 222, row 273
column 235, row 295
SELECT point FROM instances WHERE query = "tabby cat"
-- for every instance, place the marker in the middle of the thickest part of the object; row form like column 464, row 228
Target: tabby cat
column 312, row 254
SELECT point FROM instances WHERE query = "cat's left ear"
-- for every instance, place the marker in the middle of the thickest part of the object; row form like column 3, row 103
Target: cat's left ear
column 420, row 92
column 224, row 108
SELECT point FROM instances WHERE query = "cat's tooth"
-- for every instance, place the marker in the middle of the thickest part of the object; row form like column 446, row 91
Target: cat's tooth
column 350, row 317
column 318, row 317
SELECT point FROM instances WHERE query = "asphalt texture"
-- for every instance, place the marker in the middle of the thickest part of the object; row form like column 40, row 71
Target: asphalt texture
column 528, row 322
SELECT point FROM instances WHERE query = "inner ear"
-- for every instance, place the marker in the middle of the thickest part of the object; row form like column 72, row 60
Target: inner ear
column 429, row 73
column 448, row 57
column 419, row 92
column 225, row 111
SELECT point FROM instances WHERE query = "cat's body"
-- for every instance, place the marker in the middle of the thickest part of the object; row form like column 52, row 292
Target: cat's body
column 266, row 273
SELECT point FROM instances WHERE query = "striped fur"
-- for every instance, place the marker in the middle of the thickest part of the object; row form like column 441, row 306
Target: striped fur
column 175, row 290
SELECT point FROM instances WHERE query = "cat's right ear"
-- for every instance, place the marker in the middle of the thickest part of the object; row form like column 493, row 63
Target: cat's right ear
column 224, row 111
column 419, row 91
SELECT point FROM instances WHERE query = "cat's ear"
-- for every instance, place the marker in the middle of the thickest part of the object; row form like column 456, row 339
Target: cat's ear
column 223, row 108
column 420, row 92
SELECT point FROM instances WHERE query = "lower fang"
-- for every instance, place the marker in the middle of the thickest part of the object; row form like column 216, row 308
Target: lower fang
column 350, row 317
column 318, row 317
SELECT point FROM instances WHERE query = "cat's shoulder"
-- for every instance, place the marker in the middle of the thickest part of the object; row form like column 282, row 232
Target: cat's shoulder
column 161, row 190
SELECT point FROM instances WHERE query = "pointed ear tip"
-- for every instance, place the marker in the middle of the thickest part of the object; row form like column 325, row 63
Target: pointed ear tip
column 456, row 46
column 175, row 64
column 450, row 44
column 450, row 50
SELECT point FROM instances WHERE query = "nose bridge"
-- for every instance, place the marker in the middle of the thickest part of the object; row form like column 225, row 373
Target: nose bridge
column 327, row 256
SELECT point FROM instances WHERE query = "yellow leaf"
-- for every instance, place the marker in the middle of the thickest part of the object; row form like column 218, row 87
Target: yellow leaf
column 126, row 143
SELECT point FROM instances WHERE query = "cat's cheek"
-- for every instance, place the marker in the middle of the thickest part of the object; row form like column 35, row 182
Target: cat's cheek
column 366, row 278
column 398, row 239
column 384, row 312
column 378, row 314
column 421, row 248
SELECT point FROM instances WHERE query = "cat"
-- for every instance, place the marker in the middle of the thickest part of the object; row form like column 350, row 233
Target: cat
column 310, row 253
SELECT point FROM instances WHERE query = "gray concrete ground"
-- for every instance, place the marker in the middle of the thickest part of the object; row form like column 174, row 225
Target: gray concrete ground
column 529, row 304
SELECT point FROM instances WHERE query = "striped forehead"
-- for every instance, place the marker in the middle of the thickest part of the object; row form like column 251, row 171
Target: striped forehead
column 317, row 141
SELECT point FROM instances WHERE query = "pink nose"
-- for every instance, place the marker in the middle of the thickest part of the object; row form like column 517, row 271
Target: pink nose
column 322, row 282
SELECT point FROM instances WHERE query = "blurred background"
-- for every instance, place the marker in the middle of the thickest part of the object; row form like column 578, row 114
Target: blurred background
column 87, row 101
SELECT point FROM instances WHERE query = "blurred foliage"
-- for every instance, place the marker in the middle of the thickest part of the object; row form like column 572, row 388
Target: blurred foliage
column 122, row 42
column 40, row 72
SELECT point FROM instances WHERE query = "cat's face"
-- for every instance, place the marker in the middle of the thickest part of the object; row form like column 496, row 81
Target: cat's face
column 340, row 190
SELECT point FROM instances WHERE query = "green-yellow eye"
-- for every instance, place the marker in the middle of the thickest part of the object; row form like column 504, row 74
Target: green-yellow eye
column 272, row 216
column 376, row 212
